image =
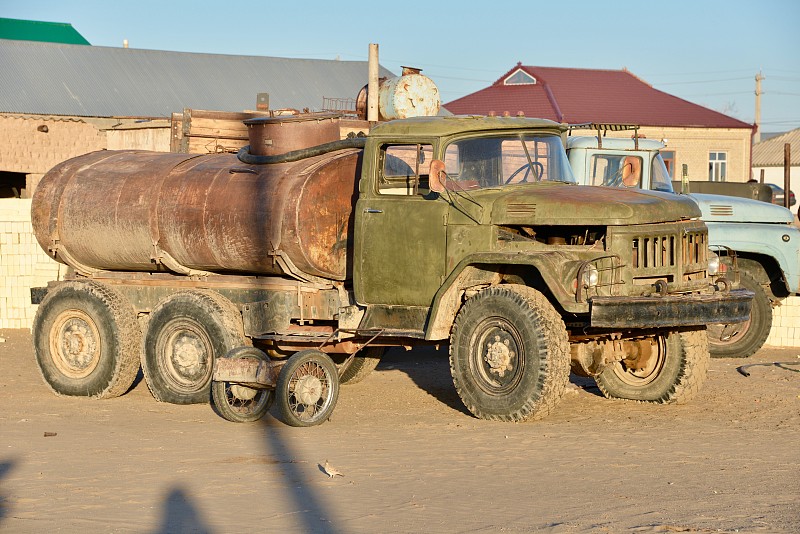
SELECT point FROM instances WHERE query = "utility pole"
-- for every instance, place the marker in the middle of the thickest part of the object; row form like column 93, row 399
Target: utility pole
column 757, row 135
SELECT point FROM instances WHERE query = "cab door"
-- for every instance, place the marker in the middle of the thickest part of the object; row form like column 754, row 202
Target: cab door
column 401, row 231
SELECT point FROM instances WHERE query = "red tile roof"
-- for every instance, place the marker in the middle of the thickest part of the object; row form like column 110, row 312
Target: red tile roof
column 589, row 95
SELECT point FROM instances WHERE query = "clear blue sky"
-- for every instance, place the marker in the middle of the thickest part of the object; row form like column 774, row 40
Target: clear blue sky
column 707, row 52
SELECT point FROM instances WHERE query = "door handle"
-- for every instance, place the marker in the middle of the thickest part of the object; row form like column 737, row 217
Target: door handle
column 372, row 210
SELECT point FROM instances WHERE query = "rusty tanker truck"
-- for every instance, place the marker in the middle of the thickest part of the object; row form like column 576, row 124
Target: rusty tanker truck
column 277, row 274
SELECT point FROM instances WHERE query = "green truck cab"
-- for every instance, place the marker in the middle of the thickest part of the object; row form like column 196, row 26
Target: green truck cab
column 467, row 231
column 482, row 228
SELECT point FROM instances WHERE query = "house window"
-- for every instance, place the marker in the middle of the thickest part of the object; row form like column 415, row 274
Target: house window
column 520, row 77
column 669, row 162
column 717, row 166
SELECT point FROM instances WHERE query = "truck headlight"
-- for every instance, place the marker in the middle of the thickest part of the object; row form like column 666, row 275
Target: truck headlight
column 589, row 276
column 713, row 265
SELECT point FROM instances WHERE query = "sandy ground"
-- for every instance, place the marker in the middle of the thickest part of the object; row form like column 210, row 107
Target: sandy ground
column 413, row 459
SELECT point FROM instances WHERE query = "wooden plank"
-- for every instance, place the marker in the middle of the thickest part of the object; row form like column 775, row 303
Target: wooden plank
column 176, row 135
column 210, row 145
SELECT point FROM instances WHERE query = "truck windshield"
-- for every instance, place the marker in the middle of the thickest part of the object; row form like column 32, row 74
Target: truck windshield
column 506, row 160
column 659, row 176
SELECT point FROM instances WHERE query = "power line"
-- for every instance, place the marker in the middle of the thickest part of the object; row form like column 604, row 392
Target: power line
column 705, row 73
column 719, row 94
column 786, row 121
column 706, row 81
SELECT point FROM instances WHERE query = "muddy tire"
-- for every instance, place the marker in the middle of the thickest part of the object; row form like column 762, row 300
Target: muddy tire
column 674, row 374
column 307, row 389
column 87, row 341
column 186, row 332
column 242, row 404
column 751, row 334
column 509, row 354
column 362, row 365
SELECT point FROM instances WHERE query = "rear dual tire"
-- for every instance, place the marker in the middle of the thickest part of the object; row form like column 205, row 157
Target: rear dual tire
column 87, row 340
column 186, row 332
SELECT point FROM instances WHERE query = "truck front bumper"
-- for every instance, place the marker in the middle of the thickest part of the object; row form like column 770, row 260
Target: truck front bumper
column 671, row 310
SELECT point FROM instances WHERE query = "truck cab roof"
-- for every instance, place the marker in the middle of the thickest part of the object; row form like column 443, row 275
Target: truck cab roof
column 615, row 143
column 446, row 126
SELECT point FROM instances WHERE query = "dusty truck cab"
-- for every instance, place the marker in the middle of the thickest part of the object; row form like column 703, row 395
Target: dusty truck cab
column 276, row 277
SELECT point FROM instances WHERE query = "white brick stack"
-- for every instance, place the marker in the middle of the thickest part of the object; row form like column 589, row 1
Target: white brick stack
column 786, row 324
column 23, row 264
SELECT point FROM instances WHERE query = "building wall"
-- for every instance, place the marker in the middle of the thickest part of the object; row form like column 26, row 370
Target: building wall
column 34, row 144
column 692, row 147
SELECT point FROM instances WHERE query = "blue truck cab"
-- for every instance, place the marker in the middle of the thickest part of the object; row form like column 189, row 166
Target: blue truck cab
column 760, row 237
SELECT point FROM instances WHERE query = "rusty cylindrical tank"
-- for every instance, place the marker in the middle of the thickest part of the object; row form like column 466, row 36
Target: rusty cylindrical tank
column 147, row 211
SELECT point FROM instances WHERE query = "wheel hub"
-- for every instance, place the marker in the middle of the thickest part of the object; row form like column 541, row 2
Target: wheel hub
column 243, row 392
column 75, row 344
column 499, row 356
column 308, row 389
column 189, row 355
column 79, row 345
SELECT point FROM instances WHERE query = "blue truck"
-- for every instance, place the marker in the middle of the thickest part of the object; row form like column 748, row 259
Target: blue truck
column 757, row 237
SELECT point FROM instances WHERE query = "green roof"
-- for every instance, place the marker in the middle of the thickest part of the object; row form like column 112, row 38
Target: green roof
column 34, row 30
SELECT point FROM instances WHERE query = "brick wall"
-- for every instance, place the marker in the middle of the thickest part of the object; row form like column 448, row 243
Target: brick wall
column 786, row 324
column 23, row 264
column 35, row 144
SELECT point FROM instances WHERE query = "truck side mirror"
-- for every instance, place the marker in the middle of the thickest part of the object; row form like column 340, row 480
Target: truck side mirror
column 437, row 176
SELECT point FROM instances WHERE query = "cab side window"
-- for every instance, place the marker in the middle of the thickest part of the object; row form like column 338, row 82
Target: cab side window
column 405, row 169
column 615, row 170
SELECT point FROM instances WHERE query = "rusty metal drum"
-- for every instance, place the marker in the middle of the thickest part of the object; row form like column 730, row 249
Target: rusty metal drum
column 277, row 135
column 185, row 213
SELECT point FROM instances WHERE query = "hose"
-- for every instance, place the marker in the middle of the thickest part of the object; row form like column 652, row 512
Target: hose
column 245, row 156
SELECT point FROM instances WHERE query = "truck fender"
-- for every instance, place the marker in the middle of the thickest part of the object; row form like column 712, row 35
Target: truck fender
column 480, row 270
column 779, row 243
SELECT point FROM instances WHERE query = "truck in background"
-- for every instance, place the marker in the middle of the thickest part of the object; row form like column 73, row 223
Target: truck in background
column 758, row 236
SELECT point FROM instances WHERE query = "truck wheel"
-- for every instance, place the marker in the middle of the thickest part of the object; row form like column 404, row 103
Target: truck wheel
column 186, row 331
column 87, row 340
column 509, row 354
column 751, row 334
column 308, row 388
column 242, row 404
column 362, row 365
column 673, row 374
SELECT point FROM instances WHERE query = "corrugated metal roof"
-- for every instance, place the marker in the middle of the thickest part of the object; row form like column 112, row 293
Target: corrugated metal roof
column 91, row 81
column 769, row 153
column 590, row 95
column 34, row 30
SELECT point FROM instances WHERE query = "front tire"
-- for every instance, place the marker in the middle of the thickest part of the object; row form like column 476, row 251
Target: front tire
column 751, row 334
column 673, row 374
column 509, row 354
column 87, row 341
column 185, row 333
